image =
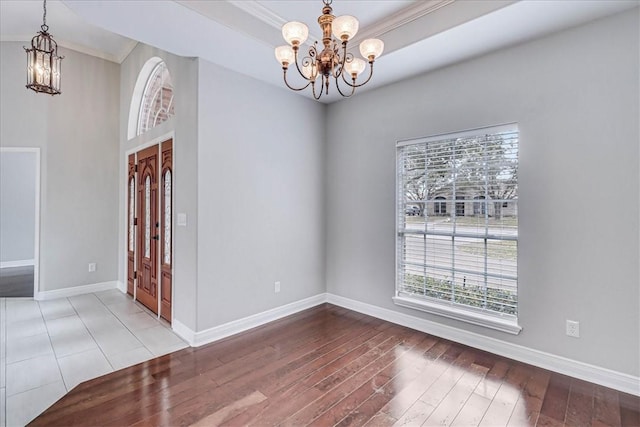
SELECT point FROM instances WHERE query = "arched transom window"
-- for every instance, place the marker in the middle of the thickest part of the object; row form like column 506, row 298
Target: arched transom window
column 157, row 99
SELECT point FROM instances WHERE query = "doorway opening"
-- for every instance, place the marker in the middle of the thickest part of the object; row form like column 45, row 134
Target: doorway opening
column 19, row 221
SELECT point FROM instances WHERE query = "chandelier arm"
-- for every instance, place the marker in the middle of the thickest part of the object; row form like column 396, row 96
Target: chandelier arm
column 312, row 55
column 337, row 70
column 353, row 88
column 364, row 82
column 313, row 89
column 291, row 87
column 344, row 58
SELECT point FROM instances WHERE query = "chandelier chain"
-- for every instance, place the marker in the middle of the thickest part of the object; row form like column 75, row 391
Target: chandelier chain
column 44, row 27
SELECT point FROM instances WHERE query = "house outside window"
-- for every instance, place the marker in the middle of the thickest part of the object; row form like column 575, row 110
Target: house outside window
column 464, row 265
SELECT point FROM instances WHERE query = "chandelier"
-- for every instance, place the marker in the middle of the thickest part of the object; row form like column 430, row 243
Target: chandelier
column 43, row 62
column 333, row 61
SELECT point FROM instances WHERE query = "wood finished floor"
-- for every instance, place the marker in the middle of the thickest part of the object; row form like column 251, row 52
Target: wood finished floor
column 331, row 366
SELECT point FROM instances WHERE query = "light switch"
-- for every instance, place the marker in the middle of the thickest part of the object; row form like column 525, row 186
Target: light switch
column 182, row 219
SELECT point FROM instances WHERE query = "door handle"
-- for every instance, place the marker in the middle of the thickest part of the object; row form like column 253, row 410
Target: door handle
column 156, row 237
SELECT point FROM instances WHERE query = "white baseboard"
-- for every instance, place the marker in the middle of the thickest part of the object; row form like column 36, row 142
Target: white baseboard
column 76, row 290
column 19, row 263
column 603, row 376
column 196, row 339
column 121, row 286
column 606, row 377
column 184, row 332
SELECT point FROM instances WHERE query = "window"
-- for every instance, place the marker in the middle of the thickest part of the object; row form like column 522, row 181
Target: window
column 463, row 267
column 131, row 213
column 440, row 207
column 167, row 217
column 460, row 206
column 479, row 208
column 157, row 99
column 147, row 217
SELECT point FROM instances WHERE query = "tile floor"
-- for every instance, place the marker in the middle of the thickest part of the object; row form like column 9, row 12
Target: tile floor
column 49, row 347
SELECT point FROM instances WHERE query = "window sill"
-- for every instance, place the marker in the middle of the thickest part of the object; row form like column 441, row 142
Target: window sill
column 503, row 324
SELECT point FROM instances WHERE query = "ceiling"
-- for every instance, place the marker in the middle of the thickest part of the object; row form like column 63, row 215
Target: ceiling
column 419, row 35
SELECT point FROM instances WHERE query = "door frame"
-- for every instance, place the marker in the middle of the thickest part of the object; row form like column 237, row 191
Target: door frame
column 124, row 185
column 36, row 231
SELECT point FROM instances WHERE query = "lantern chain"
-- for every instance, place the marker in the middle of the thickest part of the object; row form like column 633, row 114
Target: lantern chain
column 44, row 27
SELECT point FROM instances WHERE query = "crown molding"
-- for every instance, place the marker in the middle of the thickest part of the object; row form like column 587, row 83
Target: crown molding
column 264, row 14
column 126, row 51
column 398, row 19
column 267, row 16
column 117, row 58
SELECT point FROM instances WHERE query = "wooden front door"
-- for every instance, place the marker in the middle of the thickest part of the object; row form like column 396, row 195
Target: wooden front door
column 148, row 229
column 166, row 203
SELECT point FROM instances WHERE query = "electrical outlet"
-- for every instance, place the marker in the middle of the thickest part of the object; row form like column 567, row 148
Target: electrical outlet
column 92, row 267
column 573, row 328
column 276, row 287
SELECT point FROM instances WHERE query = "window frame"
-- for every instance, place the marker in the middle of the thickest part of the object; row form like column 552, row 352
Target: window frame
column 467, row 313
column 149, row 96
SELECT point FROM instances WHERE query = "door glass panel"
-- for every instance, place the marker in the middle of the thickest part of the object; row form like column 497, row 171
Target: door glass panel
column 147, row 217
column 167, row 217
column 131, row 214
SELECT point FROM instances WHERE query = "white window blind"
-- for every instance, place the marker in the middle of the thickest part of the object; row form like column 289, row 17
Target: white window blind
column 457, row 223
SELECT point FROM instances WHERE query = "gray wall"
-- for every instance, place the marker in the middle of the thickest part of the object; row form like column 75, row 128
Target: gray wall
column 78, row 136
column 575, row 97
column 17, row 205
column 183, row 127
column 250, row 182
column 260, row 196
